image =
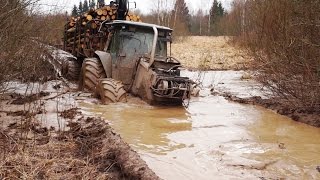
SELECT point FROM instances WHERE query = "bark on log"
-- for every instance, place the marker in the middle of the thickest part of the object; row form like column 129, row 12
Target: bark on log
column 71, row 30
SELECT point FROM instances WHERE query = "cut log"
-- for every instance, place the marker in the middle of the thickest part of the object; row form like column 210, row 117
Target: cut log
column 99, row 12
column 89, row 17
column 134, row 18
column 71, row 24
column 94, row 26
column 71, row 30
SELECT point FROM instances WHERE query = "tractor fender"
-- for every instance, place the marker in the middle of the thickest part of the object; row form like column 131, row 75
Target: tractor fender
column 106, row 61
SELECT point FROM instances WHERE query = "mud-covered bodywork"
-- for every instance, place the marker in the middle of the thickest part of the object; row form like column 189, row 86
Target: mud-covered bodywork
column 139, row 54
column 161, row 83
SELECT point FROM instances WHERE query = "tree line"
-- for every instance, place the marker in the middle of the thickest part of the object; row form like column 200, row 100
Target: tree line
column 83, row 7
column 184, row 22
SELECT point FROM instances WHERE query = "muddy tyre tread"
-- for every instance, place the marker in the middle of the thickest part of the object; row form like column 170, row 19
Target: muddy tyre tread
column 92, row 72
column 111, row 91
column 72, row 70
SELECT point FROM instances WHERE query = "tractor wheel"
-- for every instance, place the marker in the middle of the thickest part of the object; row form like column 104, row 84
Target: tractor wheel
column 111, row 91
column 72, row 70
column 92, row 72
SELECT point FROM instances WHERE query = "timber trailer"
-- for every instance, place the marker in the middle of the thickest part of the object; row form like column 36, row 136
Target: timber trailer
column 116, row 56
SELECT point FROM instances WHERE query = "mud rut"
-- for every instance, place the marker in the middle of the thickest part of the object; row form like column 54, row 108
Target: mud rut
column 88, row 149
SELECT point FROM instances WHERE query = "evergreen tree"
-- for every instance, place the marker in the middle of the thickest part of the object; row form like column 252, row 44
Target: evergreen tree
column 181, row 16
column 80, row 7
column 74, row 11
column 85, row 6
column 221, row 10
column 216, row 13
column 101, row 3
column 92, row 4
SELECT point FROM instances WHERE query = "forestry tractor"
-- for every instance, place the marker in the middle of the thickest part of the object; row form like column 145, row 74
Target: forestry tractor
column 116, row 54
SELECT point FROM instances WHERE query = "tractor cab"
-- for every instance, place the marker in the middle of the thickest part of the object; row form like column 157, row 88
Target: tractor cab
column 132, row 42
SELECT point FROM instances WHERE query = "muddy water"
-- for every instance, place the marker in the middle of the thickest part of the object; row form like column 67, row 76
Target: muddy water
column 216, row 139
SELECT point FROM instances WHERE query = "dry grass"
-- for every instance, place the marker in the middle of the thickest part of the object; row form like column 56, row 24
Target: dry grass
column 215, row 52
column 47, row 157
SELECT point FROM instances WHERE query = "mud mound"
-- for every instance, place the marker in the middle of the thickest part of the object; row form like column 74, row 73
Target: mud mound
column 89, row 150
column 103, row 143
column 20, row 100
column 70, row 113
column 309, row 116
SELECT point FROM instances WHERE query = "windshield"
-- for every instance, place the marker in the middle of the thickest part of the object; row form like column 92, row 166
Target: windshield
column 140, row 43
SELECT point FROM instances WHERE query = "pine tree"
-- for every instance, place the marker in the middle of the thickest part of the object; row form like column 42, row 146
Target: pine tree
column 80, row 8
column 214, row 11
column 181, row 16
column 92, row 4
column 74, row 11
column 85, row 6
column 101, row 3
column 221, row 10
column 215, row 14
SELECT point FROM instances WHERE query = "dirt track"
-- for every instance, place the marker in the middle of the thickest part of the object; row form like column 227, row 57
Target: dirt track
column 44, row 135
column 212, row 52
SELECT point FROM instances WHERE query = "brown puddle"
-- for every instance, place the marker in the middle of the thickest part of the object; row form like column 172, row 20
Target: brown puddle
column 214, row 138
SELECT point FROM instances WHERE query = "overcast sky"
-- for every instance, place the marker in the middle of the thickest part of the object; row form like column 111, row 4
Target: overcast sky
column 144, row 5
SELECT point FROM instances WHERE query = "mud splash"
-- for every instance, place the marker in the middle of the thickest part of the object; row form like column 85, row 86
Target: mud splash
column 215, row 138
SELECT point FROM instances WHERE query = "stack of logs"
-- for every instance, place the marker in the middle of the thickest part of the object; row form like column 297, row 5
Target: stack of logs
column 81, row 35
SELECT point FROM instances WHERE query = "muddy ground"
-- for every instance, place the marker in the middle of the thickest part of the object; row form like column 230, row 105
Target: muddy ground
column 216, row 53
column 44, row 135
column 310, row 116
column 210, row 53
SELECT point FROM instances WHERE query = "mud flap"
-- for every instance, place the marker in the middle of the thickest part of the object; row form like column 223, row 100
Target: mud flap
column 106, row 61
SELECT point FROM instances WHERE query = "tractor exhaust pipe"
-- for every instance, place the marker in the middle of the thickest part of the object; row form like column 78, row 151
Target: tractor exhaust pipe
column 154, row 46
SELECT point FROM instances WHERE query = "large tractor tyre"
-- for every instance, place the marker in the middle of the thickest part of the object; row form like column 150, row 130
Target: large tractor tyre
column 71, row 70
column 92, row 71
column 111, row 91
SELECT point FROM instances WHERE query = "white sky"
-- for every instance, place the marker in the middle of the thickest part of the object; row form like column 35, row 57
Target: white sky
column 144, row 5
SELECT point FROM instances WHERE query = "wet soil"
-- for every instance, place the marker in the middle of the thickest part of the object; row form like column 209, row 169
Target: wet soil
column 44, row 135
column 310, row 116
column 211, row 138
column 20, row 99
column 90, row 149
